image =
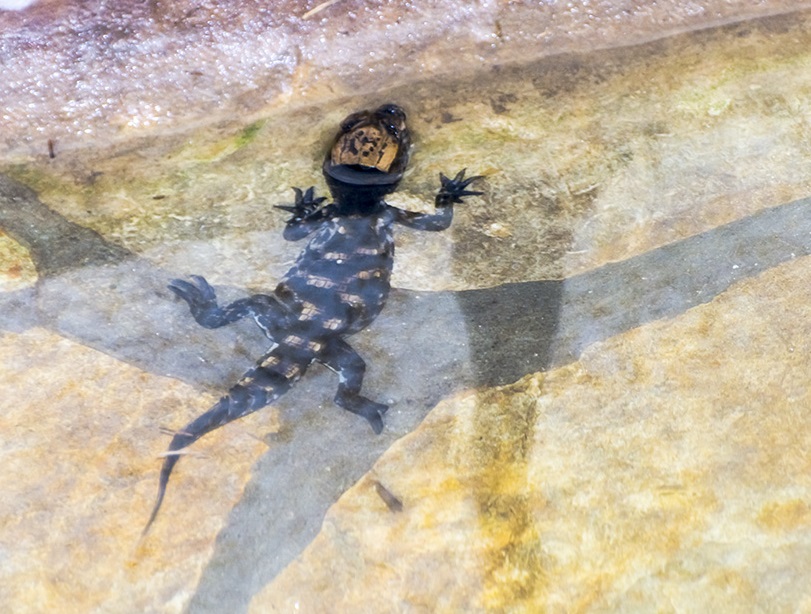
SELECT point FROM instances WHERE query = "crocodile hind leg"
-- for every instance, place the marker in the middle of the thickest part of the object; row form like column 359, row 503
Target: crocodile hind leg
column 339, row 356
column 273, row 375
column 269, row 314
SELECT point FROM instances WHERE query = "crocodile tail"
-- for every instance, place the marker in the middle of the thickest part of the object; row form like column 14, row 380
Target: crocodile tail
column 214, row 417
column 259, row 387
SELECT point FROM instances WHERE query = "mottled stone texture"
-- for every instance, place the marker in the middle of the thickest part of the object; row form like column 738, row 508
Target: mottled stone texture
column 667, row 469
column 83, row 72
column 80, row 457
column 16, row 269
column 590, row 158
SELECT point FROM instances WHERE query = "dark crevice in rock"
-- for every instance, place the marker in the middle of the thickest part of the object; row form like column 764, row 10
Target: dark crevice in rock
column 56, row 245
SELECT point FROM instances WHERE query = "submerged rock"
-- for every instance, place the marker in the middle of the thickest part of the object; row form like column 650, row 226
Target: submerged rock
column 668, row 467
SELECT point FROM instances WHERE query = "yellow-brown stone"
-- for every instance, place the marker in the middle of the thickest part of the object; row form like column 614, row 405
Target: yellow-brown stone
column 133, row 69
column 80, row 468
column 667, row 469
column 16, row 269
column 589, row 159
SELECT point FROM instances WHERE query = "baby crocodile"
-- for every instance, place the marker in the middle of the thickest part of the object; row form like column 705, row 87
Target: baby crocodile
column 337, row 286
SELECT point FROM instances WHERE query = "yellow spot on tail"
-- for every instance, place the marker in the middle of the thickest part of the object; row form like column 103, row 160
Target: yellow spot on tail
column 270, row 361
column 292, row 371
column 294, row 340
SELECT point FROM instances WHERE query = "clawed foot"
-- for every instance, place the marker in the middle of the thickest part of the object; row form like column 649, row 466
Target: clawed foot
column 306, row 207
column 361, row 406
column 373, row 412
column 199, row 293
column 452, row 190
column 201, row 298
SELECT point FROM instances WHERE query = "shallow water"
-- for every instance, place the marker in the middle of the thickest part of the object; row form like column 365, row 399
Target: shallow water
column 634, row 275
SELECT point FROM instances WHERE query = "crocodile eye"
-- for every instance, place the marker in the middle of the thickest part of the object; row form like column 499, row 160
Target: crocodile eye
column 394, row 119
column 393, row 109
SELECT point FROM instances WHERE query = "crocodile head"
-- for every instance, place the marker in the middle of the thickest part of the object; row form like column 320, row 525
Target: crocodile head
column 370, row 149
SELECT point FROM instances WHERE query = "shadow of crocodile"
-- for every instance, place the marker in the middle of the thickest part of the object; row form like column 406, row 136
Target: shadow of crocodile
column 425, row 346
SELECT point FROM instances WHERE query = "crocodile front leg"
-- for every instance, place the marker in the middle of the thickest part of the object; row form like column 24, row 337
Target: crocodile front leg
column 451, row 192
column 308, row 212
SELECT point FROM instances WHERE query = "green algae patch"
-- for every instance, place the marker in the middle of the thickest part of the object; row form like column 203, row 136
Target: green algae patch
column 249, row 133
column 588, row 158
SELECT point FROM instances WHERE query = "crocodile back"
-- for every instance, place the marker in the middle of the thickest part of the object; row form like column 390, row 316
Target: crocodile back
column 340, row 281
